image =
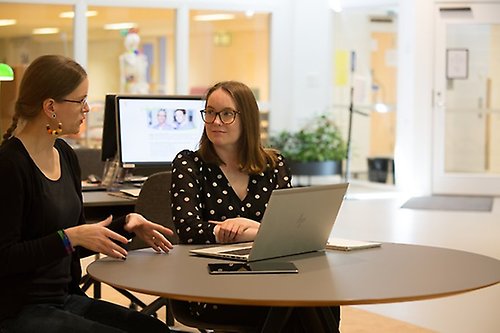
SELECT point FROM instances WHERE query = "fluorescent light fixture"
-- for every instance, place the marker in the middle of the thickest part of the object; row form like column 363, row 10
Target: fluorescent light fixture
column 71, row 14
column 120, row 26
column 6, row 22
column 335, row 5
column 45, row 31
column 6, row 72
column 214, row 17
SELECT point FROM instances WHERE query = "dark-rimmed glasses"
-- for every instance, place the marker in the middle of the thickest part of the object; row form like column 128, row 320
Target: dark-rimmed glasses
column 82, row 102
column 227, row 116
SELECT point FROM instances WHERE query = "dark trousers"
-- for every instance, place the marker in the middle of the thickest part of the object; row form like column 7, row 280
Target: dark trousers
column 81, row 314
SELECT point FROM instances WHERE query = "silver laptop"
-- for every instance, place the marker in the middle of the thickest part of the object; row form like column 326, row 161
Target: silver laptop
column 297, row 220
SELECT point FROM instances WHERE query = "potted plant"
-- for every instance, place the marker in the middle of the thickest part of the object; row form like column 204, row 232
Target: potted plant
column 316, row 149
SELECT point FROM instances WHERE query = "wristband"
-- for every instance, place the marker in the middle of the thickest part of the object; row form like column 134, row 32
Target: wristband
column 66, row 241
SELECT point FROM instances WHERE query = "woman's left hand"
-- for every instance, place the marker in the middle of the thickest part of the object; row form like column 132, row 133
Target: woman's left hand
column 151, row 233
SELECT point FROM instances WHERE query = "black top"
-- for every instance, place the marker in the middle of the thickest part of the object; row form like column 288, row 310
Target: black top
column 35, row 266
column 201, row 192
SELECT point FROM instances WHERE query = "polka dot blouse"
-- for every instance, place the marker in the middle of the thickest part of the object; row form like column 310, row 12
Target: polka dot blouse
column 201, row 192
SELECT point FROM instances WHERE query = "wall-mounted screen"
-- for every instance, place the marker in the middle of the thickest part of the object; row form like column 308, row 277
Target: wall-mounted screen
column 152, row 129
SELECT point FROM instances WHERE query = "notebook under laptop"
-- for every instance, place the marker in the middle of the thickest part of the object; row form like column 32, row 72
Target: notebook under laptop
column 296, row 220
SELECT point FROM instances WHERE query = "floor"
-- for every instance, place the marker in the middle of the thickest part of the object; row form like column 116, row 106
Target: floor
column 374, row 213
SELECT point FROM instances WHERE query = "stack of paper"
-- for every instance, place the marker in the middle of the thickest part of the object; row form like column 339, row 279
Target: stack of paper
column 349, row 244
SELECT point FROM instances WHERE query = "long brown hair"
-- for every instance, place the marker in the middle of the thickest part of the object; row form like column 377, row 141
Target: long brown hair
column 253, row 157
column 48, row 76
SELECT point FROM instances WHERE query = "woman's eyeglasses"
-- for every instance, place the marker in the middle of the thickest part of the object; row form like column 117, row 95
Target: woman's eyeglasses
column 82, row 102
column 227, row 116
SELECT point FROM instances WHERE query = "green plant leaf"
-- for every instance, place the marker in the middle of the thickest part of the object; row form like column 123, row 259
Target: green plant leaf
column 321, row 140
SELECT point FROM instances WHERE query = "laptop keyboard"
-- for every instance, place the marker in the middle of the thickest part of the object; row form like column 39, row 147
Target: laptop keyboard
column 239, row 251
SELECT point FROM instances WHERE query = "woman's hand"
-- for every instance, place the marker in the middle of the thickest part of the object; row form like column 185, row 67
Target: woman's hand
column 238, row 229
column 151, row 233
column 98, row 238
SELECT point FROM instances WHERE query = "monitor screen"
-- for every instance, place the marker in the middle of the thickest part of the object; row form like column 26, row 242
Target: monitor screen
column 151, row 129
column 108, row 148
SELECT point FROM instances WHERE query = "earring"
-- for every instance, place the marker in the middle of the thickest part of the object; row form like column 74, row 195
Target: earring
column 56, row 131
column 53, row 115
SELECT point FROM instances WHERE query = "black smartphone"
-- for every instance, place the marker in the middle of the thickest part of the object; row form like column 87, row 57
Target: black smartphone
column 278, row 267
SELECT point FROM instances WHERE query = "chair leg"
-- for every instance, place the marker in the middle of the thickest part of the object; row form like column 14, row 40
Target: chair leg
column 170, row 315
column 87, row 282
column 154, row 306
column 133, row 299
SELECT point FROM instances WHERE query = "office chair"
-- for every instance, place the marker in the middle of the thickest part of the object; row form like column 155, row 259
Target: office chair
column 154, row 204
column 90, row 161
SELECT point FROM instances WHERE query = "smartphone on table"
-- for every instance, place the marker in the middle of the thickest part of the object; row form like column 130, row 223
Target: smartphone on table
column 277, row 267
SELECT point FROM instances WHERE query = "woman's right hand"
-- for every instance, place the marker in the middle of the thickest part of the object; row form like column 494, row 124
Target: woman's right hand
column 238, row 229
column 98, row 238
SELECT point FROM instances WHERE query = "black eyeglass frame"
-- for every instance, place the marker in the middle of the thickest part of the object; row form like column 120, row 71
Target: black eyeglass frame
column 218, row 113
column 82, row 102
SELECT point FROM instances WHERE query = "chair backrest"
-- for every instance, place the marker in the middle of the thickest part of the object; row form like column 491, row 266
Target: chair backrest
column 154, row 204
column 90, row 162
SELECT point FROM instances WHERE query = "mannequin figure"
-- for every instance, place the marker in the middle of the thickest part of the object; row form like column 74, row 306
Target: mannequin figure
column 133, row 66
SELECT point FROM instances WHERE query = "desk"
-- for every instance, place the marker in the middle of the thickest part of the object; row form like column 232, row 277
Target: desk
column 99, row 204
column 103, row 198
column 391, row 273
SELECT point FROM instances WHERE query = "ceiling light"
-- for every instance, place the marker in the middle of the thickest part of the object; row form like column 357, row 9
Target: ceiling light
column 6, row 22
column 6, row 73
column 120, row 26
column 71, row 14
column 214, row 17
column 45, row 31
column 336, row 5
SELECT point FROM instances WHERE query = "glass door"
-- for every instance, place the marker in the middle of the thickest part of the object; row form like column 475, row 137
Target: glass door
column 467, row 100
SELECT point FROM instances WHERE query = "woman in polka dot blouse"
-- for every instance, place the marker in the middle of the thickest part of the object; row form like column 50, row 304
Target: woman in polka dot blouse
column 220, row 192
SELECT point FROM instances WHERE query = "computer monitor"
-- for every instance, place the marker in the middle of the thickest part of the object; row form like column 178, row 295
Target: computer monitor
column 108, row 144
column 152, row 129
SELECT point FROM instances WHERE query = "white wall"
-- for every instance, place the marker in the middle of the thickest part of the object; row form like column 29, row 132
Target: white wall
column 301, row 62
column 413, row 150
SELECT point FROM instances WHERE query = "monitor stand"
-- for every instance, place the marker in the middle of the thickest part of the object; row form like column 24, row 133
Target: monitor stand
column 113, row 174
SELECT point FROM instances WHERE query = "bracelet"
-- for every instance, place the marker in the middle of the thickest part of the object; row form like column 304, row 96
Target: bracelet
column 66, row 241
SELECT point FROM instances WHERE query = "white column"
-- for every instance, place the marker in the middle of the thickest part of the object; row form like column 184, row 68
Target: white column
column 80, row 36
column 182, row 50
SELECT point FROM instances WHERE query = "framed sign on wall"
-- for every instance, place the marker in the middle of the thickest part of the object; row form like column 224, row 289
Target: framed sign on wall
column 457, row 64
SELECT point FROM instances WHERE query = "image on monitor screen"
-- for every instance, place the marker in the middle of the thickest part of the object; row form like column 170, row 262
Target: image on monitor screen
column 108, row 148
column 152, row 129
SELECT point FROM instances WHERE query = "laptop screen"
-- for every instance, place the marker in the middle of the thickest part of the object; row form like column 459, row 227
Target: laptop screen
column 151, row 130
